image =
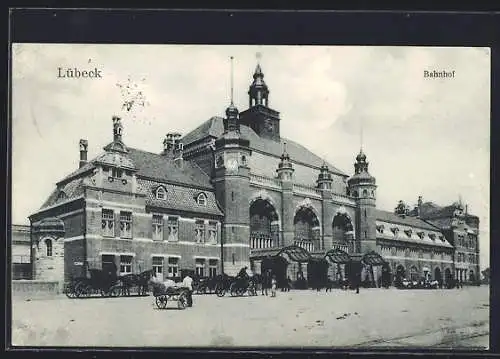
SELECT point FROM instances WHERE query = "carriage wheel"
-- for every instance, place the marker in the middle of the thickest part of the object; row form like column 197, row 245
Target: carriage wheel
column 241, row 291
column 182, row 301
column 219, row 290
column 115, row 291
column 80, row 290
column 161, row 301
column 69, row 290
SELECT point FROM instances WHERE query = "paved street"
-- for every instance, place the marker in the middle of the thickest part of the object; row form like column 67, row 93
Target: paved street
column 373, row 318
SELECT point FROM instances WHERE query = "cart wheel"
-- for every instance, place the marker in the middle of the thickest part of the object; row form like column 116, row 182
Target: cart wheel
column 182, row 301
column 115, row 291
column 161, row 301
column 219, row 290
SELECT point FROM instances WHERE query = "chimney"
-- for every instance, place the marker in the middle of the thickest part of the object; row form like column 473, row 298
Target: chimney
column 178, row 150
column 466, row 209
column 419, row 206
column 117, row 129
column 84, row 145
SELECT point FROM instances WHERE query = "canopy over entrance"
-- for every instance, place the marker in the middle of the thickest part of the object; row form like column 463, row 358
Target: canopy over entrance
column 338, row 256
column 295, row 253
column 373, row 259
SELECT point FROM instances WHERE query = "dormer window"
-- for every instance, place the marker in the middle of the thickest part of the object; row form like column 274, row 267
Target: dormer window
column 62, row 196
column 421, row 235
column 441, row 238
column 116, row 173
column 432, row 236
column 161, row 193
column 408, row 232
column 395, row 230
column 202, row 199
column 380, row 228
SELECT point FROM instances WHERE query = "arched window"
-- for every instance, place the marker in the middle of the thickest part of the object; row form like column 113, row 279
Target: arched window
column 355, row 193
column 161, row 193
column 48, row 243
column 202, row 199
column 365, row 193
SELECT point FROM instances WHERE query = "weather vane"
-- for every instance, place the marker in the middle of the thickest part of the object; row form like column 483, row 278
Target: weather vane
column 258, row 55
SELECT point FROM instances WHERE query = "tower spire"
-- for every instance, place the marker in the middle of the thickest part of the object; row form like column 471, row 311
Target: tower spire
column 232, row 80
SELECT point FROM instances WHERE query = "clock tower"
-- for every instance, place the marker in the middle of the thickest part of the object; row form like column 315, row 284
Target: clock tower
column 232, row 187
column 259, row 116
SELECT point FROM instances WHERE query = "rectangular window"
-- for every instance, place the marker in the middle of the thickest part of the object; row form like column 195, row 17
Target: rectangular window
column 158, row 267
column 200, row 267
column 200, row 231
column 125, row 224
column 125, row 265
column 173, row 267
column 116, row 173
column 173, row 228
column 212, row 268
column 108, row 223
column 157, row 227
column 212, row 232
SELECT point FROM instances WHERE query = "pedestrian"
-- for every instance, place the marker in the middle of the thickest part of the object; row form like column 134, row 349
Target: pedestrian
column 188, row 283
column 273, row 286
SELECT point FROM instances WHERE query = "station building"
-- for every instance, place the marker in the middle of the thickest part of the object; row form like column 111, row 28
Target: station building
column 231, row 193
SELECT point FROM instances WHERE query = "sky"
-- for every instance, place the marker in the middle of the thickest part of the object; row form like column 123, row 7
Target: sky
column 422, row 136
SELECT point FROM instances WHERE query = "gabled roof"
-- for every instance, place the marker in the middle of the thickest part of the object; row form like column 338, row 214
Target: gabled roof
column 298, row 153
column 179, row 198
column 71, row 189
column 409, row 221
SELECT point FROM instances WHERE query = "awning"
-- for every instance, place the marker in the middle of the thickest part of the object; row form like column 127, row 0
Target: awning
column 338, row 256
column 295, row 253
column 373, row 259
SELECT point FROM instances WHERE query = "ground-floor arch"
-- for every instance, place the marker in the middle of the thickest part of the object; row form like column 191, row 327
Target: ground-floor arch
column 264, row 224
column 286, row 263
column 438, row 276
column 400, row 275
column 448, row 278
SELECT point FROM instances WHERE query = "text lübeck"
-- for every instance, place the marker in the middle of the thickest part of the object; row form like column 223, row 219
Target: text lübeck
column 439, row 74
column 74, row 73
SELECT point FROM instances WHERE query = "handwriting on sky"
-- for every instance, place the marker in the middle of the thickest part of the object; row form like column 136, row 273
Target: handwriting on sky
column 133, row 97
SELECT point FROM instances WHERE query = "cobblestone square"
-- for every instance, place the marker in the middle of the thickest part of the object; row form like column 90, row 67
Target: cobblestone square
column 454, row 318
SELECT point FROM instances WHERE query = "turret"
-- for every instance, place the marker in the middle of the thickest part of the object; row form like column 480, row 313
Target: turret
column 84, row 145
column 285, row 168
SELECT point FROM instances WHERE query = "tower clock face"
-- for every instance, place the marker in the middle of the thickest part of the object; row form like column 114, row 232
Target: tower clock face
column 232, row 165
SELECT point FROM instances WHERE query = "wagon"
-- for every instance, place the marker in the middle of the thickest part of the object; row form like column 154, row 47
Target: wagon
column 163, row 295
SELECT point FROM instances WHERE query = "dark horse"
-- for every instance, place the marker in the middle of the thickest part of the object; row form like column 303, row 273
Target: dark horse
column 136, row 280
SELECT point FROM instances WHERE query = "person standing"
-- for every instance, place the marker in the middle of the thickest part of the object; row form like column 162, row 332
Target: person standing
column 273, row 286
column 188, row 283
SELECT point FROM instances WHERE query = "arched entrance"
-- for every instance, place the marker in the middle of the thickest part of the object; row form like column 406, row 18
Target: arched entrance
column 472, row 277
column 284, row 263
column 317, row 272
column 400, row 275
column 306, row 228
column 414, row 273
column 448, row 278
column 278, row 267
column 343, row 230
column 340, row 260
column 438, row 276
column 264, row 224
column 373, row 264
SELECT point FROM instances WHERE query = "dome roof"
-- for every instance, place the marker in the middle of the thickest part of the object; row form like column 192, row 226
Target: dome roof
column 232, row 111
column 361, row 157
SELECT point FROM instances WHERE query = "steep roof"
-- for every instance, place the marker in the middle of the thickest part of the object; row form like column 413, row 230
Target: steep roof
column 215, row 127
column 409, row 221
column 179, row 198
column 155, row 166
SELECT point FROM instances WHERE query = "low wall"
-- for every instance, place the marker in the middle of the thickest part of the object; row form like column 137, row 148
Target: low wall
column 35, row 287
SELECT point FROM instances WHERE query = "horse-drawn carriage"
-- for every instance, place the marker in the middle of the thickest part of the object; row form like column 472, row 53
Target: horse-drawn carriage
column 205, row 285
column 108, row 284
column 236, row 286
column 100, row 282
